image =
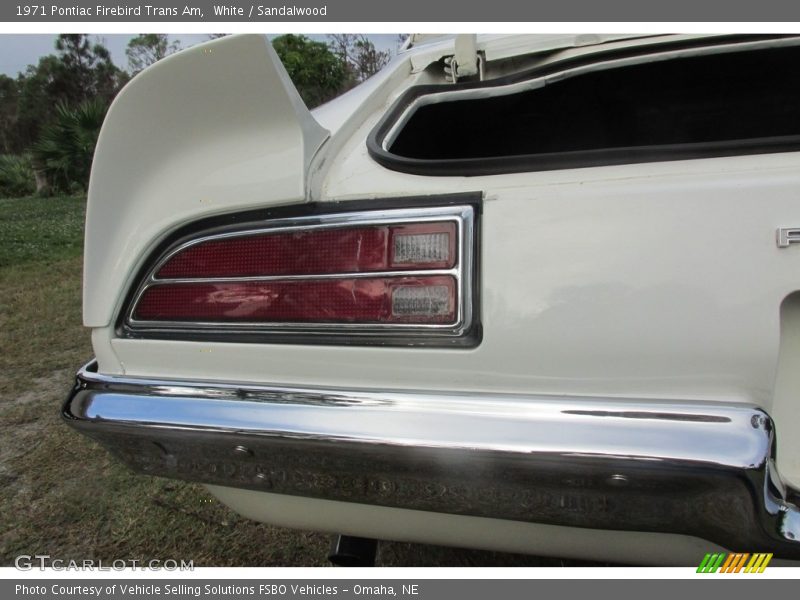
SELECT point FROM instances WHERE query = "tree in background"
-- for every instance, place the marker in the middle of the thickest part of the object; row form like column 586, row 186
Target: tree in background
column 9, row 97
column 318, row 74
column 147, row 48
column 66, row 145
column 363, row 60
column 16, row 176
column 79, row 72
column 50, row 114
column 108, row 78
column 84, row 70
column 36, row 98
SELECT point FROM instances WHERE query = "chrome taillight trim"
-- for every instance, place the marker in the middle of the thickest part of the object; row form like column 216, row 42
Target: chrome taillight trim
column 463, row 272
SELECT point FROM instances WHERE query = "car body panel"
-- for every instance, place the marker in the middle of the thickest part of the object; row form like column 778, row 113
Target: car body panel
column 418, row 526
column 568, row 305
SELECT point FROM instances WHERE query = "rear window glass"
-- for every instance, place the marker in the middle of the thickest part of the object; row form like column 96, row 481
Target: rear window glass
column 708, row 105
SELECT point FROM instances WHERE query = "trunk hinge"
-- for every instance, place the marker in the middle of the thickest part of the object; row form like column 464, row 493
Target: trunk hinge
column 466, row 62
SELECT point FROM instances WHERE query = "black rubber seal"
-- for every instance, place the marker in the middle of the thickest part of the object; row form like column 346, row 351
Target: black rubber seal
column 468, row 167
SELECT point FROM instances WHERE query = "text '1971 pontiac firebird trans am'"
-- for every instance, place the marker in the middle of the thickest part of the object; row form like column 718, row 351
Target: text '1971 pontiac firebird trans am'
column 527, row 293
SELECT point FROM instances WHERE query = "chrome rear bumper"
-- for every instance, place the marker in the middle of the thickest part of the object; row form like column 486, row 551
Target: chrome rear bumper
column 700, row 469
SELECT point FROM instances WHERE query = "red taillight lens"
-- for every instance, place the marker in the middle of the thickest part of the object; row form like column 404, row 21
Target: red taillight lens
column 362, row 300
column 391, row 276
column 318, row 252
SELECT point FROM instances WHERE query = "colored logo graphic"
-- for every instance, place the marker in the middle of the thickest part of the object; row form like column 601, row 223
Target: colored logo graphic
column 734, row 563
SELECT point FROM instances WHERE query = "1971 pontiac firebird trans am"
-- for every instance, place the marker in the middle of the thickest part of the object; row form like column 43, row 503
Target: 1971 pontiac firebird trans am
column 533, row 293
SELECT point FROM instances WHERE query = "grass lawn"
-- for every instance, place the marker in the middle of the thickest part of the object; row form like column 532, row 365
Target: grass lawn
column 66, row 497
column 61, row 494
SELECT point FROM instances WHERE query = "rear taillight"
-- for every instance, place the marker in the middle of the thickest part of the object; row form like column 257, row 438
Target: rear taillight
column 375, row 276
column 329, row 251
column 363, row 300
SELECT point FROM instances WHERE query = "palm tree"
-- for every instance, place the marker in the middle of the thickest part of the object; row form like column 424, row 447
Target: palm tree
column 65, row 147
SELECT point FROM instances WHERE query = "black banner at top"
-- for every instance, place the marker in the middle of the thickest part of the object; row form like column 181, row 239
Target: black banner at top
column 453, row 11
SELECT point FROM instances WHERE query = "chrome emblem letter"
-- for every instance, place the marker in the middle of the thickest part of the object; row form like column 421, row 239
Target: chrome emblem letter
column 787, row 236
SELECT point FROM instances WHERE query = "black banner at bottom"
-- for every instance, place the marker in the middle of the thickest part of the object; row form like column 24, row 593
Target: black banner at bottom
column 732, row 587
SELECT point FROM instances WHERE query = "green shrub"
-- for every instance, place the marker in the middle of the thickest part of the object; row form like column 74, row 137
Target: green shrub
column 66, row 145
column 16, row 176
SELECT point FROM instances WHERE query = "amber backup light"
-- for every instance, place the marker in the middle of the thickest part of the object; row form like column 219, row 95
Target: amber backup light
column 405, row 270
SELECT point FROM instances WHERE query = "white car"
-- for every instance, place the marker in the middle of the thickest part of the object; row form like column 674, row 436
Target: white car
column 525, row 293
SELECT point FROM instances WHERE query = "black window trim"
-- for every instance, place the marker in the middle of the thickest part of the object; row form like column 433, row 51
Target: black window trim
column 466, row 167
